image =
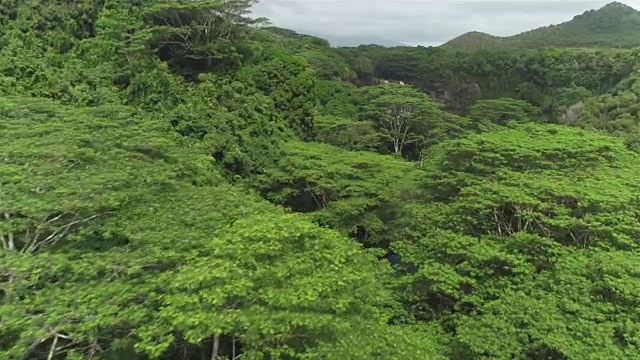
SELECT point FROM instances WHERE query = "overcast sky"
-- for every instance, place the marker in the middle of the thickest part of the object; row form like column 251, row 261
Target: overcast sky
column 422, row 22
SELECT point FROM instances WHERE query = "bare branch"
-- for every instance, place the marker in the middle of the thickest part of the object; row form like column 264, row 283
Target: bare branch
column 58, row 234
column 70, row 167
column 53, row 348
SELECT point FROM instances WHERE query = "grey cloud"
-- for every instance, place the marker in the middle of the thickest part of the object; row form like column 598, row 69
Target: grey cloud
column 419, row 22
column 290, row 6
column 526, row 6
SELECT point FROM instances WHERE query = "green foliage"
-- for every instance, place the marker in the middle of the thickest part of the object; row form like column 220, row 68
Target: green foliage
column 408, row 120
column 347, row 134
column 59, row 175
column 108, row 244
column 294, row 41
column 563, row 98
column 142, row 143
column 240, row 126
column 197, row 36
column 616, row 113
column 327, row 65
column 503, row 111
column 355, row 192
column 460, row 79
column 289, row 82
column 338, row 98
column 507, row 247
column 282, row 286
column 326, row 61
column 362, row 66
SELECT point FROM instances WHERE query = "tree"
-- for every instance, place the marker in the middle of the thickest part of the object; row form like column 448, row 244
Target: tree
column 61, row 178
column 155, row 203
column 397, row 111
column 198, row 36
column 290, row 82
column 615, row 113
column 347, row 134
column 239, row 125
column 406, row 117
column 503, row 111
column 515, row 225
column 108, row 244
column 338, row 98
column 64, row 189
column 354, row 192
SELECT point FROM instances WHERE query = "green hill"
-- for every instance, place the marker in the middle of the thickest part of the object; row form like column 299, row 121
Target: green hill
column 614, row 25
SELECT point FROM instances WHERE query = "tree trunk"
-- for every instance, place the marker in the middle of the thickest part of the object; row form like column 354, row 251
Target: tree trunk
column 215, row 347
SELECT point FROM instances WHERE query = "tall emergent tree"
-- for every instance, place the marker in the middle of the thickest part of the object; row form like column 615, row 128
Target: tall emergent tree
column 408, row 119
column 400, row 113
column 200, row 35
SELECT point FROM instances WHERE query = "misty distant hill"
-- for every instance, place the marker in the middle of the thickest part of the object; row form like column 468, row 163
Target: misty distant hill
column 356, row 40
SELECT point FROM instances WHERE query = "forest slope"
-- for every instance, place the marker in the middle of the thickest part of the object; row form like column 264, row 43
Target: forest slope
column 615, row 25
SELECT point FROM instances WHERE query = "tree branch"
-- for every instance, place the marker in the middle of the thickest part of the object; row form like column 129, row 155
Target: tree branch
column 4, row 242
column 53, row 348
column 8, row 241
column 58, row 234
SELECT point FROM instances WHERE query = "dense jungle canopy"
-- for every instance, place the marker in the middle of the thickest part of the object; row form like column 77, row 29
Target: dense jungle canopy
column 181, row 181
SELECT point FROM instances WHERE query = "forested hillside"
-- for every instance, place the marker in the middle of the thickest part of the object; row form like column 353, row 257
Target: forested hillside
column 615, row 25
column 179, row 181
column 547, row 78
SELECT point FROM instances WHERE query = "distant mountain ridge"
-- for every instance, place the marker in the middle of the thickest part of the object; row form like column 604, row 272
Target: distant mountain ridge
column 614, row 25
column 335, row 40
column 357, row 40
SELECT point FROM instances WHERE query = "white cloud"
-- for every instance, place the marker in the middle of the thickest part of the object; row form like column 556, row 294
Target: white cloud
column 423, row 22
